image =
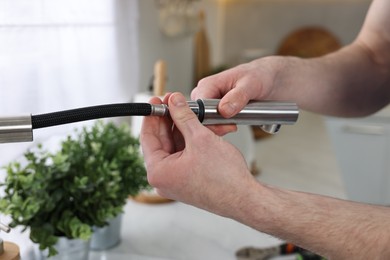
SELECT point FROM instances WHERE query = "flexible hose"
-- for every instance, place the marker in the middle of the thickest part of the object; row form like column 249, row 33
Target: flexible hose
column 89, row 113
column 269, row 115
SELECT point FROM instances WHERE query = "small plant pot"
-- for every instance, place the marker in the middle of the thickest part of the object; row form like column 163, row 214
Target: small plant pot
column 108, row 236
column 69, row 249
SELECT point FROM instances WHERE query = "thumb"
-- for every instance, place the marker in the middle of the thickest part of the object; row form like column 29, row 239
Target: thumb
column 183, row 117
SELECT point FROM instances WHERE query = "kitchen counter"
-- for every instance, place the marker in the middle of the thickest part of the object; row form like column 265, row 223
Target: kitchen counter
column 383, row 113
column 167, row 231
column 178, row 231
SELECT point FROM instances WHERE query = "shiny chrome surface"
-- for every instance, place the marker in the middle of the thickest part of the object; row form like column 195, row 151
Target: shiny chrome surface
column 5, row 228
column 194, row 106
column 271, row 129
column 159, row 110
column 15, row 129
column 269, row 115
column 255, row 113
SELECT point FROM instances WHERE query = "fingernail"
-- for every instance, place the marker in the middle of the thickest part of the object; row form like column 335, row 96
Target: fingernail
column 228, row 108
column 178, row 100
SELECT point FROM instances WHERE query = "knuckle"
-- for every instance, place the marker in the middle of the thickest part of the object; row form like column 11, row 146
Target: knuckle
column 203, row 81
column 241, row 93
column 185, row 116
column 154, row 179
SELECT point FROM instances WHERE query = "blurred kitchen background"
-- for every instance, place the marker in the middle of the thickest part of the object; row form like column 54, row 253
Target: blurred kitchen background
column 238, row 28
column 56, row 55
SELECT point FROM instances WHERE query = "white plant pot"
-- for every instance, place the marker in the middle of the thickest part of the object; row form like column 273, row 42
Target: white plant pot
column 69, row 249
column 108, row 236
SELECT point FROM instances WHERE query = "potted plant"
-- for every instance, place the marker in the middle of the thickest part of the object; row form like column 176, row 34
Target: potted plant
column 81, row 186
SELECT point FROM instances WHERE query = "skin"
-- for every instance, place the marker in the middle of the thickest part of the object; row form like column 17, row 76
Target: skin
column 191, row 163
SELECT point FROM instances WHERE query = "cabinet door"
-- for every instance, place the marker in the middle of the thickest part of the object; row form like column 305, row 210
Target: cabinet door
column 361, row 148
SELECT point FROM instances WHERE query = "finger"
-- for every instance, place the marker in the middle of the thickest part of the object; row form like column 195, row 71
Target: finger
column 165, row 126
column 183, row 117
column 233, row 102
column 214, row 86
column 206, row 88
column 154, row 135
column 223, row 85
column 222, row 130
column 178, row 139
column 166, row 97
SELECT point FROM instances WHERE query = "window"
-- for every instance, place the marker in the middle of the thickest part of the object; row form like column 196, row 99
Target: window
column 57, row 55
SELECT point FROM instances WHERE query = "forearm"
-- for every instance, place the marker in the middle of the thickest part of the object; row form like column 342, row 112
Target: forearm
column 333, row 228
column 354, row 81
column 345, row 83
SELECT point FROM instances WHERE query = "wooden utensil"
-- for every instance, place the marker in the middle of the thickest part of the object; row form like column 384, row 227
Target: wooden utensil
column 160, row 71
column 11, row 251
column 201, row 51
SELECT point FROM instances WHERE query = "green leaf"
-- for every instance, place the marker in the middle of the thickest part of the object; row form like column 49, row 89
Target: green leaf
column 45, row 237
column 79, row 229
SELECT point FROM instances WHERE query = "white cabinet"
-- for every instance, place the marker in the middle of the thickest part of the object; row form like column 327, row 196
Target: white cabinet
column 362, row 150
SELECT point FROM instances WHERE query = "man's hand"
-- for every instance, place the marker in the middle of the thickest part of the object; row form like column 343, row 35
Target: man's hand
column 187, row 162
column 238, row 85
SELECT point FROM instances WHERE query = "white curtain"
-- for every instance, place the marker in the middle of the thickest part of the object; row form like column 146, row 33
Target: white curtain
column 57, row 55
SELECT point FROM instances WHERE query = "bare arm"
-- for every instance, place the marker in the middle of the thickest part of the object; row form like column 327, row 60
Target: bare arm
column 333, row 228
column 199, row 167
column 353, row 81
column 203, row 170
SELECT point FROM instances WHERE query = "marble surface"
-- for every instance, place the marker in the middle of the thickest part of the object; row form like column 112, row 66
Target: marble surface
column 167, row 231
column 178, row 231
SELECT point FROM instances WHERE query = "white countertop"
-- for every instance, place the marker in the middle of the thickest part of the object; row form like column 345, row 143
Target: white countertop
column 168, row 231
column 385, row 112
column 178, row 231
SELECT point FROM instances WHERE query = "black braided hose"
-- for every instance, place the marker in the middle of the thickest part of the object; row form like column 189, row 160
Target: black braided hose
column 89, row 113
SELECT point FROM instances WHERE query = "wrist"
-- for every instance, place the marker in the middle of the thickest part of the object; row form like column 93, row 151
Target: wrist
column 255, row 205
column 277, row 70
